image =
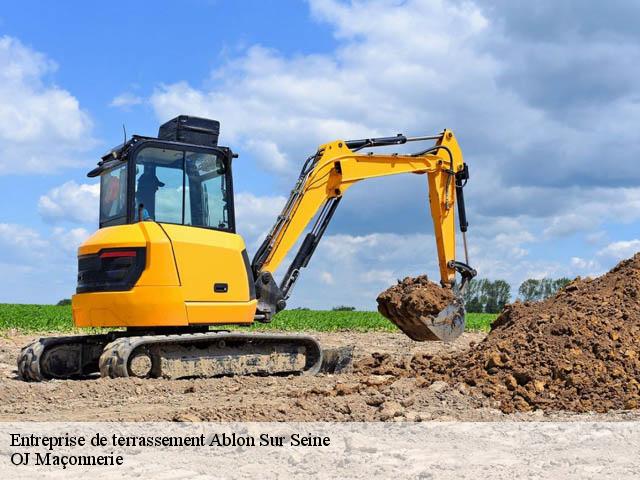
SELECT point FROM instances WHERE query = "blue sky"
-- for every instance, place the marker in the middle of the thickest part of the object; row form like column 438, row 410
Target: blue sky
column 544, row 100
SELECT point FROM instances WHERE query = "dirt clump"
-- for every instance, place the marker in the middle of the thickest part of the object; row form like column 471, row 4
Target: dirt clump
column 576, row 351
column 413, row 303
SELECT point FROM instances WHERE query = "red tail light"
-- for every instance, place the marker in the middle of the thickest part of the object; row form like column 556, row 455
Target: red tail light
column 110, row 270
column 117, row 254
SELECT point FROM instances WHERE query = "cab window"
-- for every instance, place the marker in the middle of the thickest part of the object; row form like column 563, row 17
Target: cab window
column 206, row 198
column 159, row 185
column 182, row 187
column 113, row 196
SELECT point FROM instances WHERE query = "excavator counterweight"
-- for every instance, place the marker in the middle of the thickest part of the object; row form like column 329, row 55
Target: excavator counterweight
column 166, row 264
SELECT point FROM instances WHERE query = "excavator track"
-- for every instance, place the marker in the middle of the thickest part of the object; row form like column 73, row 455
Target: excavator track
column 207, row 354
column 61, row 357
column 210, row 354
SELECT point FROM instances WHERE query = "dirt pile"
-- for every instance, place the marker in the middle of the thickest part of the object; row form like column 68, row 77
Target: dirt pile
column 577, row 351
column 414, row 303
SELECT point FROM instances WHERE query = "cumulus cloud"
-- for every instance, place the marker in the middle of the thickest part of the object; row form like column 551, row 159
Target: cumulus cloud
column 361, row 266
column 326, row 278
column 21, row 243
column 42, row 262
column 42, row 126
column 586, row 264
column 70, row 202
column 532, row 147
column 69, row 240
column 125, row 100
column 621, row 249
column 255, row 215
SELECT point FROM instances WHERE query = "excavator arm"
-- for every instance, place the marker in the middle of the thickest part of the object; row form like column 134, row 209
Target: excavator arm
column 323, row 181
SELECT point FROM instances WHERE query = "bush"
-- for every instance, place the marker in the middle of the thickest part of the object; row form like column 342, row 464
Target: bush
column 63, row 302
column 343, row 308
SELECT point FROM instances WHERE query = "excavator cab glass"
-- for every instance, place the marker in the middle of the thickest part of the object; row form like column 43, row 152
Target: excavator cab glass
column 113, row 196
column 168, row 183
column 181, row 187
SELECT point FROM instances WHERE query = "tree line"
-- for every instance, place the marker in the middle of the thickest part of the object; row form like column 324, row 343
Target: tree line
column 486, row 296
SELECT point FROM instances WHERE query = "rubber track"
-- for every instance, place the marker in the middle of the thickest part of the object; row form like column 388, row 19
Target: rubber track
column 30, row 367
column 29, row 362
column 115, row 357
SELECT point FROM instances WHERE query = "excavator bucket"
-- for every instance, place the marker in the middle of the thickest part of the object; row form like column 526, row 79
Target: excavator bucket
column 423, row 310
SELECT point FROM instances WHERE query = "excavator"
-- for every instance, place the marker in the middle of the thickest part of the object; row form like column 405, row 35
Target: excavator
column 166, row 268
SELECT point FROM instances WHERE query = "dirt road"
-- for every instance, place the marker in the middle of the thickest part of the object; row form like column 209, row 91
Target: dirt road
column 345, row 397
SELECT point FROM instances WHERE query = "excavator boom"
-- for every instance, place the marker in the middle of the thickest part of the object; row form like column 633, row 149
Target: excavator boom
column 324, row 179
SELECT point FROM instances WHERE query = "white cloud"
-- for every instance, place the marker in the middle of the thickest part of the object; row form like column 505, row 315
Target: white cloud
column 569, row 223
column 621, row 249
column 41, row 267
column 19, row 243
column 326, row 278
column 255, row 215
column 584, row 264
column 125, row 100
column 469, row 71
column 268, row 155
column 42, row 126
column 71, row 202
column 377, row 276
column 69, row 240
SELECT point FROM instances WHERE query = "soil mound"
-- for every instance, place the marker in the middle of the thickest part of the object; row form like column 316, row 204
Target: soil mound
column 577, row 351
column 413, row 304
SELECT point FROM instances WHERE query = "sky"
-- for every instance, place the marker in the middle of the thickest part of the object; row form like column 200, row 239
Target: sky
column 544, row 98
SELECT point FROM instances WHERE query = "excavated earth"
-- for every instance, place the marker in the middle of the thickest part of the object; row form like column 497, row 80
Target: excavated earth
column 577, row 351
column 414, row 297
column 413, row 305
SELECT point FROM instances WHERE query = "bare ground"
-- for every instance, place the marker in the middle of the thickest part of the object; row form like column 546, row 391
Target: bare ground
column 345, row 397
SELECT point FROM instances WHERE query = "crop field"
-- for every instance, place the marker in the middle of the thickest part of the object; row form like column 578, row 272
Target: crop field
column 48, row 318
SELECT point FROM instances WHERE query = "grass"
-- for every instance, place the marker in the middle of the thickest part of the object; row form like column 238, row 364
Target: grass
column 50, row 318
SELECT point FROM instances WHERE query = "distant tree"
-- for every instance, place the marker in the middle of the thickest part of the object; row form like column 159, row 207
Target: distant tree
column 474, row 305
column 343, row 308
column 300, row 308
column 492, row 305
column 502, row 292
column 534, row 290
column 63, row 302
column 529, row 290
column 560, row 283
column 484, row 287
column 483, row 295
column 471, row 291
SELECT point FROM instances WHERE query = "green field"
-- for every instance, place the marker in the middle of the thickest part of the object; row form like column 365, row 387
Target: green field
column 47, row 318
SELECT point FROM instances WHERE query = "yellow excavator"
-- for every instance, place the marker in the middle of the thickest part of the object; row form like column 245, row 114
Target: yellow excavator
column 166, row 264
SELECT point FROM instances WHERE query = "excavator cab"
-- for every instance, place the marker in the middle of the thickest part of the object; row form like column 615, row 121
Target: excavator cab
column 166, row 253
column 167, row 182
